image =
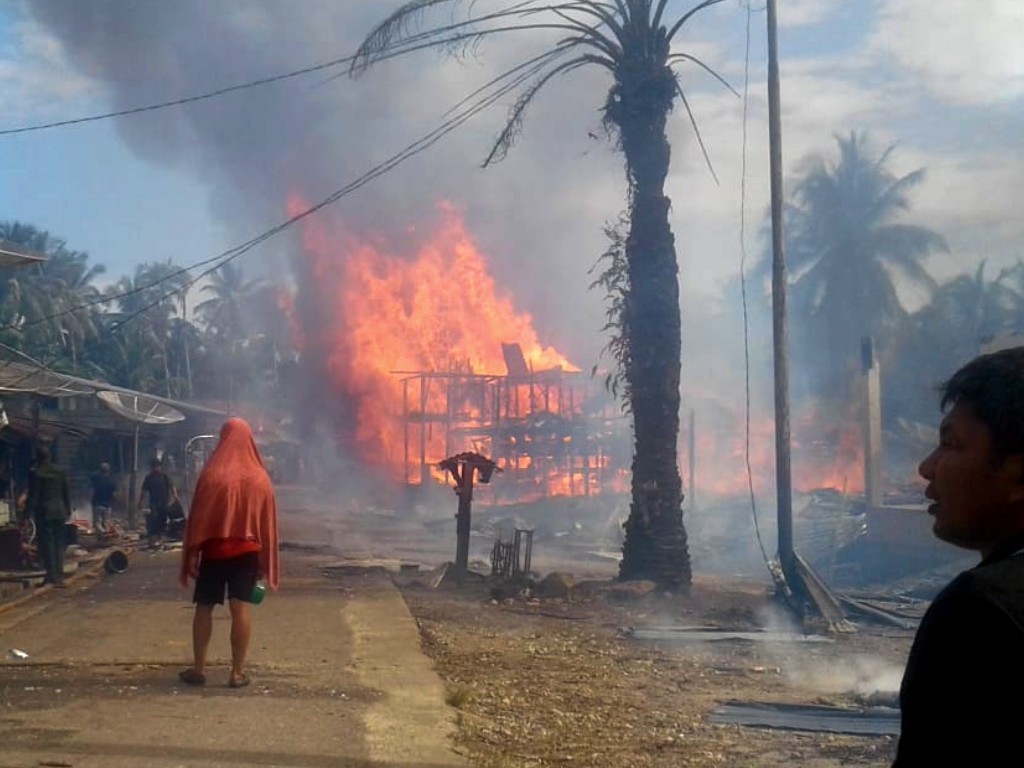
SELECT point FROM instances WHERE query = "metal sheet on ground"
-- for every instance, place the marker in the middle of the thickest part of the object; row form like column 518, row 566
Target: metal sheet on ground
column 718, row 634
column 875, row 721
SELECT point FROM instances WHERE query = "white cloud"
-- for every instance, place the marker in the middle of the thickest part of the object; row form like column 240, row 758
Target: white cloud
column 964, row 51
column 801, row 13
column 36, row 79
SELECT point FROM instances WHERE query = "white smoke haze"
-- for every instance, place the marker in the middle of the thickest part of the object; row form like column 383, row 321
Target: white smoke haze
column 817, row 667
column 860, row 675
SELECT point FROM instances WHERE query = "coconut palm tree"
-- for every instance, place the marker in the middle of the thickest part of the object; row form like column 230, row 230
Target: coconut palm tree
column 148, row 301
column 947, row 332
column 632, row 41
column 49, row 309
column 845, row 244
column 224, row 312
column 229, row 318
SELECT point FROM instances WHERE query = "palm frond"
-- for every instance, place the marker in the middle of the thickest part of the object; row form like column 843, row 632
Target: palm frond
column 514, row 124
column 894, row 197
column 687, row 16
column 392, row 29
column 905, row 243
column 589, row 35
column 542, row 58
column 393, row 37
column 602, row 13
column 696, row 131
column 705, row 67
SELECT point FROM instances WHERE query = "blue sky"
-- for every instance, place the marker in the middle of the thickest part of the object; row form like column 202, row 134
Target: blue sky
column 947, row 88
column 83, row 186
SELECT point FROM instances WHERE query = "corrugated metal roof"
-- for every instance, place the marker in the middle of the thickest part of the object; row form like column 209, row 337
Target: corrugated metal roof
column 27, row 378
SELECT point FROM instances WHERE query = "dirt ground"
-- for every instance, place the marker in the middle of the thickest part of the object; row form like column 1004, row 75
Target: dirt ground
column 546, row 682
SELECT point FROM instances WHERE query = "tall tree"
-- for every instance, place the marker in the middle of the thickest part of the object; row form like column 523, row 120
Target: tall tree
column 846, row 245
column 148, row 301
column 224, row 312
column 49, row 310
column 947, row 332
column 632, row 41
column 230, row 315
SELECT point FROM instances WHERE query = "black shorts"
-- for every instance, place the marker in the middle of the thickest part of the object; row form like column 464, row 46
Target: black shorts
column 238, row 574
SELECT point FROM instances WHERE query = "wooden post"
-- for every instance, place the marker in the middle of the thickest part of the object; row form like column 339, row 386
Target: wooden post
column 424, row 472
column 448, row 415
column 872, row 424
column 133, row 496
column 463, row 518
column 405, row 429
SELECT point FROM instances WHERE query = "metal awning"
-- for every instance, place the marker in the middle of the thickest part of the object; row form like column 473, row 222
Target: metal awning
column 29, row 379
column 23, row 379
column 140, row 408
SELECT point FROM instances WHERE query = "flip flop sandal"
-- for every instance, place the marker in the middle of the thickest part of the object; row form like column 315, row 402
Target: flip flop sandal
column 239, row 681
column 191, row 677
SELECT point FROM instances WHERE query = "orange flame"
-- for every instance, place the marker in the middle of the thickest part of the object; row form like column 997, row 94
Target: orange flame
column 827, row 453
column 390, row 314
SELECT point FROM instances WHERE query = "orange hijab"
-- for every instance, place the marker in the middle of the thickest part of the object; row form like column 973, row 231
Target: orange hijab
column 234, row 500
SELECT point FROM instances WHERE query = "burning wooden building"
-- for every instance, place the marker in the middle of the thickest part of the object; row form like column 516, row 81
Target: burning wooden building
column 553, row 432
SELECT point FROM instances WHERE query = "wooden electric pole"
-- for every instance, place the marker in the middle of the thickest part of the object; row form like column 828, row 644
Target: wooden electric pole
column 780, row 333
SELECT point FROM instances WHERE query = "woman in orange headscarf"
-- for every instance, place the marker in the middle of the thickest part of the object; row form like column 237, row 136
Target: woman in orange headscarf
column 230, row 542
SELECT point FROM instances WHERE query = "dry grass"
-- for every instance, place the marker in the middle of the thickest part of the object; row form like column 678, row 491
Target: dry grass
column 457, row 696
column 535, row 688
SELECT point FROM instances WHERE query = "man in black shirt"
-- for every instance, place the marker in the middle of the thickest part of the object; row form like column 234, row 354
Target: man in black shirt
column 161, row 492
column 966, row 667
column 103, row 490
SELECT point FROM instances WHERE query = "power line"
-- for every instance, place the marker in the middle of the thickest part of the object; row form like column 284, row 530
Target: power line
column 181, row 101
column 412, row 44
column 421, row 144
column 521, row 74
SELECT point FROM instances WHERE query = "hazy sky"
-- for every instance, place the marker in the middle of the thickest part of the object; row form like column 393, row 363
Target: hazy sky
column 944, row 80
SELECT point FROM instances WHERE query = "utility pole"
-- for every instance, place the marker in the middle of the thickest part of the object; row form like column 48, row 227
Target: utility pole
column 184, row 341
column 780, row 333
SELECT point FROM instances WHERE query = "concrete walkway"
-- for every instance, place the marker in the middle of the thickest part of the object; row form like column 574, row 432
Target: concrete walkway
column 338, row 678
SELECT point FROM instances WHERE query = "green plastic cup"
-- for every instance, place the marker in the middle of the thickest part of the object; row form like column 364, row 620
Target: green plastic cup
column 259, row 591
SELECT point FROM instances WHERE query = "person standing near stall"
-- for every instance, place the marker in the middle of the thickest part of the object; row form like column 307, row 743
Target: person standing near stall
column 49, row 504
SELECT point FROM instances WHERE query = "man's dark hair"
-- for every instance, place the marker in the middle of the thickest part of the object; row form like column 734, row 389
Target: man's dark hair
column 993, row 387
column 156, row 463
column 43, row 454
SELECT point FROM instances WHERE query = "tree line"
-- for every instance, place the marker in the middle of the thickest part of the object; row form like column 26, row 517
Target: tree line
column 139, row 331
column 856, row 258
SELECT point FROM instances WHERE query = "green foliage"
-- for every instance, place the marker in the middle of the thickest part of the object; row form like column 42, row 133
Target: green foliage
column 613, row 279
column 135, row 333
column 48, row 310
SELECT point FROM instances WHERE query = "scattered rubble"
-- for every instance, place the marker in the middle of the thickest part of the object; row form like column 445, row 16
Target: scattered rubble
column 552, row 681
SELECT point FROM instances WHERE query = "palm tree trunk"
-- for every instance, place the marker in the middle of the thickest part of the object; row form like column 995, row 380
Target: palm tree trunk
column 656, row 544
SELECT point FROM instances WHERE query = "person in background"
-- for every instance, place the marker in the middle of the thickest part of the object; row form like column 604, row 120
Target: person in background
column 967, row 661
column 161, row 491
column 230, row 544
column 103, row 490
column 49, row 503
